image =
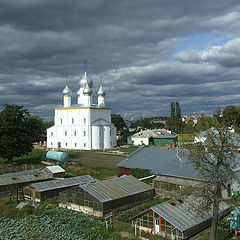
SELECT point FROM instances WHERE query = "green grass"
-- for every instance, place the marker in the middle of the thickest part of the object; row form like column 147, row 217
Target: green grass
column 96, row 172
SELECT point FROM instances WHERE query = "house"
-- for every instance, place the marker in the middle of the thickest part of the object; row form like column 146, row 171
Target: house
column 106, row 197
column 46, row 190
column 84, row 125
column 157, row 137
column 177, row 219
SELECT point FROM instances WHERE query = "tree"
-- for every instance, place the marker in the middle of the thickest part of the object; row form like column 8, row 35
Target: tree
column 17, row 128
column 231, row 116
column 215, row 159
column 203, row 123
column 175, row 121
column 188, row 126
column 118, row 121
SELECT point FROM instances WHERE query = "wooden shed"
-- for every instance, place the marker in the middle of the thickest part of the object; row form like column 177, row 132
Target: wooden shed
column 108, row 196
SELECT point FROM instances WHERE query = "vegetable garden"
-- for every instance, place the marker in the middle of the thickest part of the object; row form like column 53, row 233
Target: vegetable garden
column 55, row 223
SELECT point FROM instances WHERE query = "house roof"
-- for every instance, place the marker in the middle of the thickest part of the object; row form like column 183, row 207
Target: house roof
column 62, row 183
column 183, row 214
column 115, row 188
column 158, row 133
column 161, row 161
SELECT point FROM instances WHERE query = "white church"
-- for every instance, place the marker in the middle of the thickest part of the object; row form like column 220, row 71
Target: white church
column 84, row 125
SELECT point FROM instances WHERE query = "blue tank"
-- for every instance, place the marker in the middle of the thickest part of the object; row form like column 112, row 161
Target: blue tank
column 235, row 219
column 58, row 156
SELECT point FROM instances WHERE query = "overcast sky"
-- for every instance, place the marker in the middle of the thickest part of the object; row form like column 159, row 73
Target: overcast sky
column 148, row 53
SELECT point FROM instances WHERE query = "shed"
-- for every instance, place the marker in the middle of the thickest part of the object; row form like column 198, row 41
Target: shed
column 177, row 219
column 103, row 197
column 56, row 171
column 45, row 190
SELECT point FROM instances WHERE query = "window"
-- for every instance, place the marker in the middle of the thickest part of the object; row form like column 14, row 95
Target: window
column 66, row 144
column 61, row 121
column 84, row 120
column 110, row 132
column 65, row 133
column 72, row 120
column 51, row 143
column 75, row 144
column 75, row 133
column 84, row 144
column 51, row 134
column 84, row 133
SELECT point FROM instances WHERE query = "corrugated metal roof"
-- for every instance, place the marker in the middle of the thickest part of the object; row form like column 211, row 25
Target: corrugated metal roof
column 61, row 183
column 115, row 188
column 159, row 133
column 55, row 169
column 184, row 215
column 161, row 161
column 24, row 176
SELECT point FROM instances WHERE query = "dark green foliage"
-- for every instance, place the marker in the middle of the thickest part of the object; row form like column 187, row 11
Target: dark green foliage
column 17, row 129
column 140, row 173
column 55, row 223
column 127, row 215
column 203, row 123
column 174, row 122
column 118, row 121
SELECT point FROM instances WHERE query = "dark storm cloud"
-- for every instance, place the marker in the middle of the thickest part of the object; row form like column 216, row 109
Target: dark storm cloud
column 131, row 45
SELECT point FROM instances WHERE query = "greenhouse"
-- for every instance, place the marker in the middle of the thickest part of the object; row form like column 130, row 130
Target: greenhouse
column 108, row 196
column 13, row 181
column 176, row 219
column 176, row 184
column 50, row 189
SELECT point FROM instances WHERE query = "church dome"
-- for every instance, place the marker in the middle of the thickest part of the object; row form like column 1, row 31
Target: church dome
column 101, row 91
column 87, row 90
column 83, row 81
column 67, row 91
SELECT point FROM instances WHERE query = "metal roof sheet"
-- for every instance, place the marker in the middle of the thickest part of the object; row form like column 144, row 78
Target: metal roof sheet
column 183, row 215
column 55, row 169
column 161, row 161
column 115, row 188
column 61, row 183
column 24, row 176
column 157, row 133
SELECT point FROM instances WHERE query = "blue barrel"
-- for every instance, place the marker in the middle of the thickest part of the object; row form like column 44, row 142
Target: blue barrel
column 58, row 156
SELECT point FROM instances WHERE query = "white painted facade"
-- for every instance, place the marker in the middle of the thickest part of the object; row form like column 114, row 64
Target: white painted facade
column 84, row 125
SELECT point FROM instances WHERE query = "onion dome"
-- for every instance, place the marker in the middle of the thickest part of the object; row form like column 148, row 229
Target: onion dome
column 67, row 91
column 83, row 81
column 101, row 91
column 87, row 90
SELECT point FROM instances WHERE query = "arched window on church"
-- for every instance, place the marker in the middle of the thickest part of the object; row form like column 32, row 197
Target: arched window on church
column 65, row 133
column 61, row 121
column 84, row 120
column 84, row 133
